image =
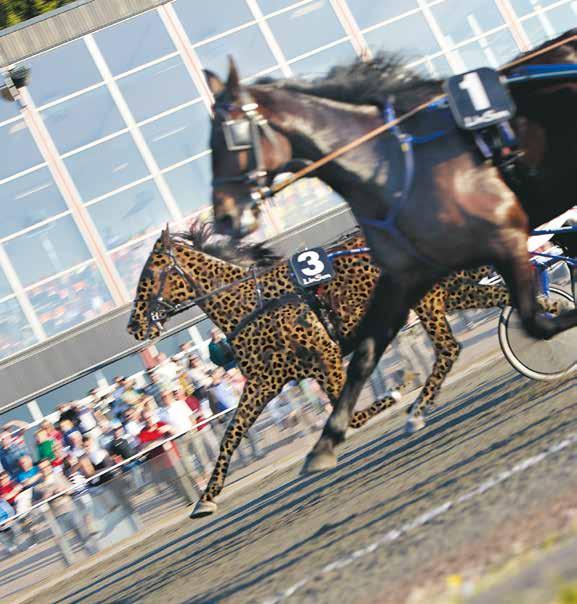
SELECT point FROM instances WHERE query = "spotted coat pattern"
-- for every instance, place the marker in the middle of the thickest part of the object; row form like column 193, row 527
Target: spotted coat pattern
column 288, row 341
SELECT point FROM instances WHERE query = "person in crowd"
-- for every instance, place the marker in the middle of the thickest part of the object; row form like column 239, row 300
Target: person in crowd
column 44, row 445
column 132, row 426
column 159, row 461
column 131, row 394
column 51, row 432
column 197, row 375
column 119, row 405
column 66, row 515
column 220, row 351
column 87, row 423
column 154, row 388
column 122, row 448
column 206, row 441
column 8, row 534
column 149, row 404
column 20, row 500
column 29, row 475
column 167, row 370
column 98, row 455
column 76, row 447
column 67, row 413
column 105, row 428
column 76, row 474
column 59, row 456
column 68, row 428
column 178, row 415
column 10, row 453
column 223, row 397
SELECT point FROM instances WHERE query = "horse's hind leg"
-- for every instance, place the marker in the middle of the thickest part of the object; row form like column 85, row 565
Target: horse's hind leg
column 431, row 312
column 331, row 378
column 376, row 331
column 255, row 396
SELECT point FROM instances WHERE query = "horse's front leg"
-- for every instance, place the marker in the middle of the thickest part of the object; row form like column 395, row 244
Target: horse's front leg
column 377, row 329
column 255, row 396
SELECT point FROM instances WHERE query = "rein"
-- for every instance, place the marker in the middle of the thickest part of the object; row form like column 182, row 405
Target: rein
column 276, row 188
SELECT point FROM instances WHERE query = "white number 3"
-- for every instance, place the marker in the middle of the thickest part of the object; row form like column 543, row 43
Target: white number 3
column 315, row 265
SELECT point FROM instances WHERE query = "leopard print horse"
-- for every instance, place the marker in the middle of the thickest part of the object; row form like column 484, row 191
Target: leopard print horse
column 276, row 335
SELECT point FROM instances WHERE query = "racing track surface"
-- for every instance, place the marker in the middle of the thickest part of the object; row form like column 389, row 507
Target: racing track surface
column 379, row 517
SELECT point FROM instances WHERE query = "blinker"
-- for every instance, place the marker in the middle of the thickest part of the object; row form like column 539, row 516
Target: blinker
column 237, row 134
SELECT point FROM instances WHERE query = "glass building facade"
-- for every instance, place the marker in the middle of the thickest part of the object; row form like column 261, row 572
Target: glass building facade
column 112, row 141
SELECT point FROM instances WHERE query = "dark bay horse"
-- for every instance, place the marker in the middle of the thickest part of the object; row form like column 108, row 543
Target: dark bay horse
column 458, row 212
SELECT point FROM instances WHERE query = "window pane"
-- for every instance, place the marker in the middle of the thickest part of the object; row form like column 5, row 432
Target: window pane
column 179, row 135
column 61, row 71
column 395, row 38
column 499, row 49
column 157, row 88
column 129, row 214
column 19, row 150
column 77, row 296
column 130, row 260
column 524, row 7
column 212, row 18
column 191, row 184
column 319, row 63
column 269, row 6
column 5, row 288
column 55, row 247
column 15, row 332
column 106, row 167
column 306, row 28
column 134, row 42
column 28, row 200
column 460, row 20
column 305, row 199
column 369, row 12
column 549, row 24
column 126, row 366
column 8, row 110
column 248, row 47
column 69, row 392
column 83, row 119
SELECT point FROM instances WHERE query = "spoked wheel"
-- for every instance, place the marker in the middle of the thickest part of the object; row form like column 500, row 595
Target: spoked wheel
column 543, row 360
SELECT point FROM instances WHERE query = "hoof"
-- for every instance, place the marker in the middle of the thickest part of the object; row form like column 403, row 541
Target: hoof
column 319, row 462
column 203, row 508
column 414, row 424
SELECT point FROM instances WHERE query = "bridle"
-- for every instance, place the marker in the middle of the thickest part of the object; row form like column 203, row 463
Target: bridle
column 245, row 134
column 159, row 309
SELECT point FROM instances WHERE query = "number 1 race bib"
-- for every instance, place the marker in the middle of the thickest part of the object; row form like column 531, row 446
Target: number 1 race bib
column 479, row 99
column 312, row 267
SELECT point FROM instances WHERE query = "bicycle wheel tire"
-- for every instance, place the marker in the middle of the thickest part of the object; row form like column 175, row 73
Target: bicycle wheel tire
column 542, row 360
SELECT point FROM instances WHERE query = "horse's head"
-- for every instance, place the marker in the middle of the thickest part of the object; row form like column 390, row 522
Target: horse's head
column 247, row 152
column 161, row 288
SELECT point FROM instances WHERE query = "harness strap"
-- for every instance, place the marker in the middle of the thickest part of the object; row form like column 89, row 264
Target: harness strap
column 388, row 224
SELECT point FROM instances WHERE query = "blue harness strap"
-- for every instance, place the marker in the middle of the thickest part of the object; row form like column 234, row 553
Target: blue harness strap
column 388, row 224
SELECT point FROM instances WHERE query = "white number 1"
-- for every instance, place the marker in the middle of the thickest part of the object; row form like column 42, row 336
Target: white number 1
column 473, row 85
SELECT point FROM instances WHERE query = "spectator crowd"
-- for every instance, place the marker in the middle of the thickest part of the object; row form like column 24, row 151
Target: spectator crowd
column 79, row 447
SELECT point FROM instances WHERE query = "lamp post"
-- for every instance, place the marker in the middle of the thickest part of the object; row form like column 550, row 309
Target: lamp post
column 14, row 79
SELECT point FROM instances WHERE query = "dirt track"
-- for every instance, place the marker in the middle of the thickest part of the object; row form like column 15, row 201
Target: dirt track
column 289, row 528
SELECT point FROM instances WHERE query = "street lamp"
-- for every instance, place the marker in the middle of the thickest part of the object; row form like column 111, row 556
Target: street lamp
column 14, row 78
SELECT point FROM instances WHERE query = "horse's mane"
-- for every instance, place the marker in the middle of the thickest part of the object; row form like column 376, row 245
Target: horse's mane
column 201, row 236
column 565, row 35
column 367, row 83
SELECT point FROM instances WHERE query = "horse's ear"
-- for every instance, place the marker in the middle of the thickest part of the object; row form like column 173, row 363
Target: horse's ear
column 233, row 80
column 215, row 84
column 166, row 237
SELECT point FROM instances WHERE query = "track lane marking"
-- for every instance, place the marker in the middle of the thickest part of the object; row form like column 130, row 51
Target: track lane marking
column 394, row 534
